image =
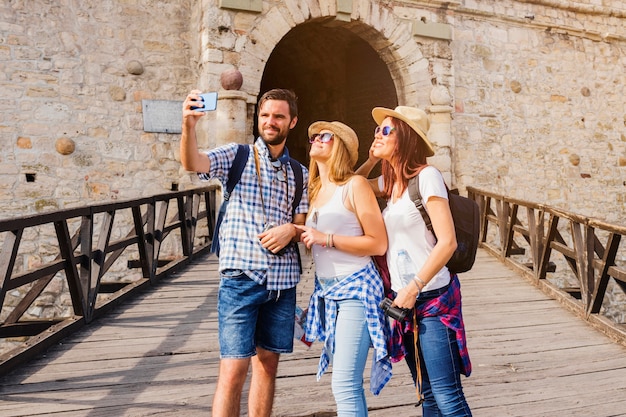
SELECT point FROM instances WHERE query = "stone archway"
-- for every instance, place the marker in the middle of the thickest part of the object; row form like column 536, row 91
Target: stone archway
column 339, row 66
column 336, row 75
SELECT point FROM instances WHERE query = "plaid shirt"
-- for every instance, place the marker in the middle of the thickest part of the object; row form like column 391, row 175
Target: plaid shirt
column 367, row 286
column 245, row 217
column 448, row 308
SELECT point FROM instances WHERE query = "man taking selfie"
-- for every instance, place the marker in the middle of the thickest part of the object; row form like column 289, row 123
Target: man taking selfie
column 258, row 258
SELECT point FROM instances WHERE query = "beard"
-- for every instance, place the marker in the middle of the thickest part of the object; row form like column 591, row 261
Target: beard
column 275, row 137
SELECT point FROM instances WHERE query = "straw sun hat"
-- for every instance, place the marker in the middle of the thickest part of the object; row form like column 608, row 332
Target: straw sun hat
column 341, row 131
column 414, row 117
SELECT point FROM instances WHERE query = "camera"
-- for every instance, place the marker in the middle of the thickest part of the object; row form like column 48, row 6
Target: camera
column 396, row 313
column 209, row 101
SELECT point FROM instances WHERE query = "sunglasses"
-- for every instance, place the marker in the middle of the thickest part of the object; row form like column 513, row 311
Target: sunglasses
column 322, row 137
column 280, row 173
column 384, row 130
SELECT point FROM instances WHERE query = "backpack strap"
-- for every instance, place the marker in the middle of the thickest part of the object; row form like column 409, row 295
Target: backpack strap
column 416, row 197
column 234, row 175
column 296, row 167
column 239, row 163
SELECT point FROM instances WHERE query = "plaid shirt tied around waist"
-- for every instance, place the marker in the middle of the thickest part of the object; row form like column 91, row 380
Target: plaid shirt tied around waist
column 367, row 286
column 448, row 308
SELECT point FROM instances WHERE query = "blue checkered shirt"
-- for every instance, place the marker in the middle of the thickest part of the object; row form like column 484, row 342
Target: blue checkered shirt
column 367, row 286
column 244, row 219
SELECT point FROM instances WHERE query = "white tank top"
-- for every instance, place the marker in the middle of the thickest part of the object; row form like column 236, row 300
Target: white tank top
column 333, row 217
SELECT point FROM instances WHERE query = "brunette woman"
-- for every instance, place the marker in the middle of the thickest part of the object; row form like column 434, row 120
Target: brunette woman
column 434, row 294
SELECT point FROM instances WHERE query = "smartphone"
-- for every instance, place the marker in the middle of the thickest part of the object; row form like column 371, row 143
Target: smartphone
column 209, row 102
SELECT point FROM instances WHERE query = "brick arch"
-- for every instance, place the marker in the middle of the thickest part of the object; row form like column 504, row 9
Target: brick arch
column 340, row 70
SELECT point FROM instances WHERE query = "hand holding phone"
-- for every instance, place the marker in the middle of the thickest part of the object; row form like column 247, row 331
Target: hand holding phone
column 209, row 102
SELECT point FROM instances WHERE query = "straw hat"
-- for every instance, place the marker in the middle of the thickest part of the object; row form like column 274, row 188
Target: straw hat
column 343, row 132
column 414, row 117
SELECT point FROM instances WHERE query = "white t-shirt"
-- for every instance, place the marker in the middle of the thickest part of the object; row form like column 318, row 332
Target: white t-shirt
column 406, row 229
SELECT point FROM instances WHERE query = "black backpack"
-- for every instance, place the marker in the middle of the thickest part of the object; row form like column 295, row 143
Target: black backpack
column 466, row 225
column 234, row 175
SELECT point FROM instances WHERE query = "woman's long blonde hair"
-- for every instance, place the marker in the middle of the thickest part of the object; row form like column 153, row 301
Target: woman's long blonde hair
column 340, row 168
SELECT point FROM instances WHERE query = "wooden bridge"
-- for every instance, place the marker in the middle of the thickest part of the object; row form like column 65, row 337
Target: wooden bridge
column 148, row 347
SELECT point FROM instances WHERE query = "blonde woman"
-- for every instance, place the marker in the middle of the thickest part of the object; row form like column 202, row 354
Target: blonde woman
column 344, row 228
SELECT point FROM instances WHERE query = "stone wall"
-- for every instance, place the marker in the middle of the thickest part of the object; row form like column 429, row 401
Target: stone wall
column 72, row 78
column 539, row 95
column 537, row 89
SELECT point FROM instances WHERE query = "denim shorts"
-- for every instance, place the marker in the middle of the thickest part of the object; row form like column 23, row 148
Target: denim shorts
column 249, row 315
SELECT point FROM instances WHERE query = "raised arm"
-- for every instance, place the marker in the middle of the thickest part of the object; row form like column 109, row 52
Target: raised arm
column 365, row 170
column 190, row 157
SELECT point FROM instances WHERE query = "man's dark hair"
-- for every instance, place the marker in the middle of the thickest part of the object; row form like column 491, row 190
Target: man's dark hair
column 282, row 94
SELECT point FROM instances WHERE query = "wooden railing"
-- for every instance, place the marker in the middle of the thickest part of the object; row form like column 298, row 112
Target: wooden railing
column 573, row 258
column 79, row 249
column 539, row 241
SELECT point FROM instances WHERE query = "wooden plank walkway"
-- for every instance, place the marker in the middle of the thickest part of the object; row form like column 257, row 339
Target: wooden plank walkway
column 158, row 356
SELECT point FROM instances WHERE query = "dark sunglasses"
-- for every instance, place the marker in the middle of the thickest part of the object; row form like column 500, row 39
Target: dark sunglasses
column 385, row 130
column 322, row 137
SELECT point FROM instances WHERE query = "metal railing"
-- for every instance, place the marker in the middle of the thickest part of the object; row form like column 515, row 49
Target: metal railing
column 80, row 251
column 575, row 259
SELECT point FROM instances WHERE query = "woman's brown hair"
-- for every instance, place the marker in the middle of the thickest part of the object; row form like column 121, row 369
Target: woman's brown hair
column 408, row 159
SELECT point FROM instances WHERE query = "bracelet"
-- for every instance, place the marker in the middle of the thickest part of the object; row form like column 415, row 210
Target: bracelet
column 419, row 290
column 327, row 241
column 332, row 240
column 418, row 279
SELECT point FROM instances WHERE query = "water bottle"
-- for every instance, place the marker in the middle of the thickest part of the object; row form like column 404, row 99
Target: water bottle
column 406, row 268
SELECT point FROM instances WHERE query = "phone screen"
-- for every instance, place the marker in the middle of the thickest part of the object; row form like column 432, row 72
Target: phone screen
column 209, row 100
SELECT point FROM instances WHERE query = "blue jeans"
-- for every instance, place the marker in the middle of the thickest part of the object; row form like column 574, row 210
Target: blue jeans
column 249, row 315
column 441, row 369
column 352, row 343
